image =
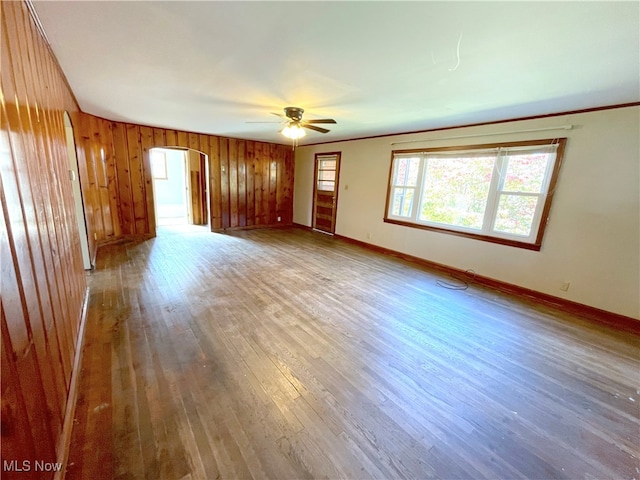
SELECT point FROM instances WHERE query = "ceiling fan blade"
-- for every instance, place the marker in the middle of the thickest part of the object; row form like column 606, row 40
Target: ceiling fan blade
column 262, row 122
column 277, row 114
column 313, row 127
column 321, row 120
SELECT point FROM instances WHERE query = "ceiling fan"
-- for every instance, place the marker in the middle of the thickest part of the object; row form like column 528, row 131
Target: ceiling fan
column 294, row 125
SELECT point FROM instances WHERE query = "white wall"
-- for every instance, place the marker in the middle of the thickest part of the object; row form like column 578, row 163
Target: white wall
column 593, row 235
column 170, row 193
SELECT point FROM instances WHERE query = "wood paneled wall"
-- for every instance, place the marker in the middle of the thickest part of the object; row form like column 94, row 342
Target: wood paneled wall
column 250, row 183
column 97, row 168
column 42, row 282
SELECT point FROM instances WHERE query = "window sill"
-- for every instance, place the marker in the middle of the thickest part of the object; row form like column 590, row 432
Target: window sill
column 485, row 238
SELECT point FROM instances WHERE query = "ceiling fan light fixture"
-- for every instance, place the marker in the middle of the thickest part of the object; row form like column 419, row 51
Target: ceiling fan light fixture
column 293, row 131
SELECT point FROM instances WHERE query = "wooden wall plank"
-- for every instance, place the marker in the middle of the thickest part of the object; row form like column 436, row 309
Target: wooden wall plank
column 250, row 168
column 183, row 139
column 14, row 302
column 193, row 141
column 102, row 143
column 159, row 137
column 125, row 195
column 242, row 184
column 280, row 186
column 171, row 138
column 112, row 185
column 98, row 180
column 203, row 141
column 273, row 176
column 18, row 441
column 97, row 127
column 140, row 219
column 259, row 185
column 147, row 143
column 224, row 183
column 233, row 182
column 287, row 198
column 215, row 185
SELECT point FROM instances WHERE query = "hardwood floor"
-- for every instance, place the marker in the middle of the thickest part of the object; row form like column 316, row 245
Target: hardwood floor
column 283, row 354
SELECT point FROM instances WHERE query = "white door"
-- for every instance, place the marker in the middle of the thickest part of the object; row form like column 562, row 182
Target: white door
column 77, row 192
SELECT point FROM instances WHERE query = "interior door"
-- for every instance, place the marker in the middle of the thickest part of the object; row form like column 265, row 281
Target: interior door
column 77, row 193
column 325, row 191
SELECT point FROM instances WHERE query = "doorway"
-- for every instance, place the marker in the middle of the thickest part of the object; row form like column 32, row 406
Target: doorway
column 74, row 175
column 325, row 191
column 180, row 187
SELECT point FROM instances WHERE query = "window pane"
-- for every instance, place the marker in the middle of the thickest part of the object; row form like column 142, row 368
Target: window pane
column 327, row 175
column 326, row 185
column 456, row 191
column 398, row 195
column 158, row 165
column 407, row 171
column 525, row 173
column 327, row 164
column 515, row 214
column 402, row 202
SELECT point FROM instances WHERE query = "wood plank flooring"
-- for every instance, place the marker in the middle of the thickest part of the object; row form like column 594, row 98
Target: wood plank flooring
column 287, row 354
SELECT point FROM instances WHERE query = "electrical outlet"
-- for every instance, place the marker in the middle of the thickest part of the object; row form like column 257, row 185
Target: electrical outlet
column 279, row 219
column 564, row 286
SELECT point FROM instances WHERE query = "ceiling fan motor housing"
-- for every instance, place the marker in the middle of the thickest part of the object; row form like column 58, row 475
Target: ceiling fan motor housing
column 294, row 113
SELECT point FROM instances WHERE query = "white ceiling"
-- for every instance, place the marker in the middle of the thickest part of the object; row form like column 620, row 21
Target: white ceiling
column 376, row 67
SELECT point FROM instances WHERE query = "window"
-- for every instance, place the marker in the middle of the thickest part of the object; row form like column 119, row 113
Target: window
column 158, row 165
column 499, row 193
column 326, row 173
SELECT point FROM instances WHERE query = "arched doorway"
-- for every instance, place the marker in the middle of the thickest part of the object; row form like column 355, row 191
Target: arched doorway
column 77, row 192
column 180, row 186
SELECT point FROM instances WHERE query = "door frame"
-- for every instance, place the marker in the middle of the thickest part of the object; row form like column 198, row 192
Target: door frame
column 186, row 168
column 315, row 191
column 76, row 187
column 154, row 180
